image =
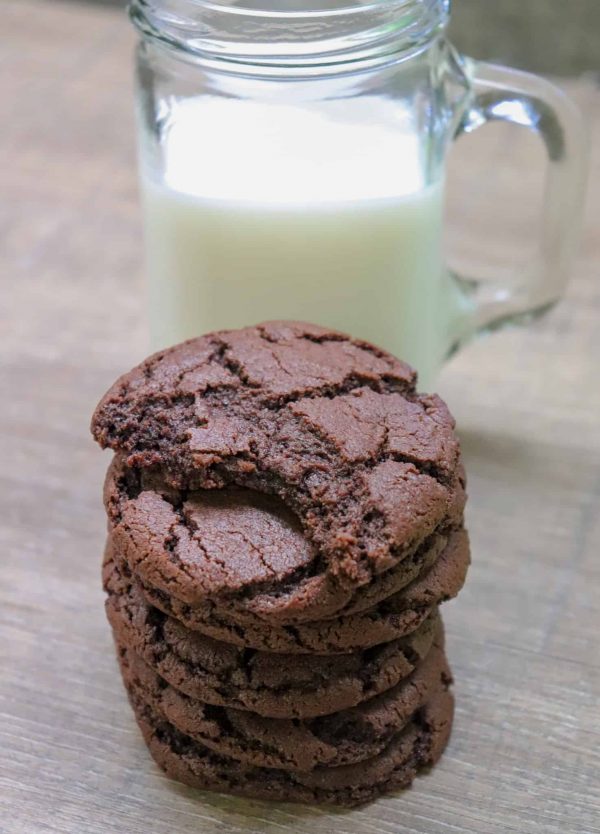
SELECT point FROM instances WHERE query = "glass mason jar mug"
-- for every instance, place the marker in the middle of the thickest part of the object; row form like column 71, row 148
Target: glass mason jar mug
column 292, row 159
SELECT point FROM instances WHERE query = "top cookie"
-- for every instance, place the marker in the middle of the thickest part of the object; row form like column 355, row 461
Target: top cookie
column 331, row 426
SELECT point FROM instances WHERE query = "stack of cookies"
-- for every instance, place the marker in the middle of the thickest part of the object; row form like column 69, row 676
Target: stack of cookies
column 285, row 516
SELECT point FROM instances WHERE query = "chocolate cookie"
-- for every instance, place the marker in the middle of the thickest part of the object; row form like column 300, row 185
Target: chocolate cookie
column 275, row 685
column 344, row 738
column 418, row 746
column 234, row 530
column 332, row 427
column 392, row 618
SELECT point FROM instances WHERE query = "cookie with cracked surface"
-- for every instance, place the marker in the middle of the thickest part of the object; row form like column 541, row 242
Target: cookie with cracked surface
column 274, row 685
column 230, row 535
column 418, row 746
column 347, row 737
column 390, row 619
column 331, row 426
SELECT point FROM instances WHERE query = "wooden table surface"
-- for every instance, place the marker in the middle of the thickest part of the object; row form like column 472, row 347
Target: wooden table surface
column 524, row 636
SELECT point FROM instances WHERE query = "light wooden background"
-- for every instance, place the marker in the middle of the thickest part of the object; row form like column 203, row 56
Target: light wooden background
column 523, row 637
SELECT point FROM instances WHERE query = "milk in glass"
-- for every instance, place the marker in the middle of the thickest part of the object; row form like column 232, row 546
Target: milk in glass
column 318, row 213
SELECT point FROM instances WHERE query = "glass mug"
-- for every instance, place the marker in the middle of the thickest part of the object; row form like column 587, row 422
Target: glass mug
column 292, row 159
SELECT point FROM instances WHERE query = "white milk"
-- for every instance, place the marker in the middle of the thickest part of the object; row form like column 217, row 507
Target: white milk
column 281, row 212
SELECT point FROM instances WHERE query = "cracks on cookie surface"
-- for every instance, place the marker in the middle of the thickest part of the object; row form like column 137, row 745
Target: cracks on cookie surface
column 222, row 357
column 266, row 594
column 283, row 457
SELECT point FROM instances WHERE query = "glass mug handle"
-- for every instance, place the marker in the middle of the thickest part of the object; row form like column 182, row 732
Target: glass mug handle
column 502, row 94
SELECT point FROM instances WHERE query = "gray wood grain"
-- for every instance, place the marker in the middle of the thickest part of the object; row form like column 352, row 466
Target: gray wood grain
column 537, row 35
column 523, row 637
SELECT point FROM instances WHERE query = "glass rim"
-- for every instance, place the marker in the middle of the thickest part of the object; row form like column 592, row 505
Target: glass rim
column 313, row 38
column 291, row 15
